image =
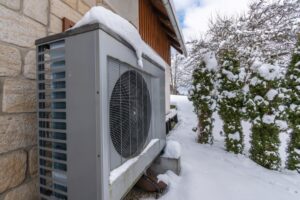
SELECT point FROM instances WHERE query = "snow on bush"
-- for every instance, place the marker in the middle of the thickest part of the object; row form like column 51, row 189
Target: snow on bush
column 172, row 150
column 202, row 95
column 271, row 94
column 269, row 72
column 231, row 100
column 123, row 28
column 268, row 119
column 263, row 112
column 262, row 41
column 293, row 114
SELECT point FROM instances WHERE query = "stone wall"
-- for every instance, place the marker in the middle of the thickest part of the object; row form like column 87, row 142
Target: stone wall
column 22, row 22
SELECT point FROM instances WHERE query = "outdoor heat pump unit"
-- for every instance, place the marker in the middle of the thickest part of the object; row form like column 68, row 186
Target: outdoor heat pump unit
column 100, row 115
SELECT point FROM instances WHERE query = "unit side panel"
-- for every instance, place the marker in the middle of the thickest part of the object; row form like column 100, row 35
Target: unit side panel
column 81, row 51
column 158, row 98
column 109, row 47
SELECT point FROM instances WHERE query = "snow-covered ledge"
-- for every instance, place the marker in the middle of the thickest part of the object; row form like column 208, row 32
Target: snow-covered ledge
column 132, row 169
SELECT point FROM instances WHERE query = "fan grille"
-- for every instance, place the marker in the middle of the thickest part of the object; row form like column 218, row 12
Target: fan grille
column 130, row 114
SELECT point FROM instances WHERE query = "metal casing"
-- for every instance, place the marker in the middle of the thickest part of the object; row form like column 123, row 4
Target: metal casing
column 76, row 152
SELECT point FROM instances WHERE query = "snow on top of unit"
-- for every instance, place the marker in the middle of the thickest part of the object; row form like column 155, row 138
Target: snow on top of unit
column 123, row 28
column 172, row 150
column 114, row 174
column 147, row 50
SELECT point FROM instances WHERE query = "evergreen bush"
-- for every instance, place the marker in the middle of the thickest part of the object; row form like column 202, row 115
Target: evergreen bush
column 201, row 96
column 293, row 84
column 231, row 100
column 263, row 112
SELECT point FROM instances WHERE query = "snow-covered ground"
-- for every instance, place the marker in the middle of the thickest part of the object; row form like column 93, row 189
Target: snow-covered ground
column 210, row 173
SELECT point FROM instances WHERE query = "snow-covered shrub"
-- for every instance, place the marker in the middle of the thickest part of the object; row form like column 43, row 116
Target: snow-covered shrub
column 293, row 84
column 262, row 108
column 262, row 40
column 231, row 99
column 202, row 96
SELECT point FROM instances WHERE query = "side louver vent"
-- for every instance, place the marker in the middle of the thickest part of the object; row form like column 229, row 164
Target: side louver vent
column 130, row 114
column 52, row 120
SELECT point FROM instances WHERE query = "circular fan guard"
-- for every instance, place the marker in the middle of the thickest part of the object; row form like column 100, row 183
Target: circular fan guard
column 130, row 114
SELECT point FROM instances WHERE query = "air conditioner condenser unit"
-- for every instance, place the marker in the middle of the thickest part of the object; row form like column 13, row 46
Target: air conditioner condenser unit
column 100, row 115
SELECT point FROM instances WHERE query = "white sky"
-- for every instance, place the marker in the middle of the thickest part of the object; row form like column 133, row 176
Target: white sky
column 195, row 14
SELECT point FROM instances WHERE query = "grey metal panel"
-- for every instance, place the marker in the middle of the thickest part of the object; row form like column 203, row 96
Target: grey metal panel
column 123, row 69
column 113, row 76
column 148, row 79
column 113, row 48
column 158, row 83
column 83, row 158
column 115, row 70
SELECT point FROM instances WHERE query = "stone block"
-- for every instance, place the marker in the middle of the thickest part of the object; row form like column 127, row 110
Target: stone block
column 161, row 165
column 82, row 7
column 30, row 65
column 27, row 191
column 72, row 3
column 33, row 161
column 55, row 24
column 17, row 131
column 13, row 169
column 37, row 9
column 90, row 2
column 19, row 96
column 10, row 61
column 13, row 4
column 61, row 10
column 18, row 29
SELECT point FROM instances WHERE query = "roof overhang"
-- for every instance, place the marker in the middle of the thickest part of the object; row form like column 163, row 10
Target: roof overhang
column 166, row 13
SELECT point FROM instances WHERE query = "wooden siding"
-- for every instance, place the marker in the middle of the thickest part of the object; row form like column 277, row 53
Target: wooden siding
column 152, row 31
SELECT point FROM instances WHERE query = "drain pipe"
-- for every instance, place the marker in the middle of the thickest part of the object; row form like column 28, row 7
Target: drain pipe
column 169, row 6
